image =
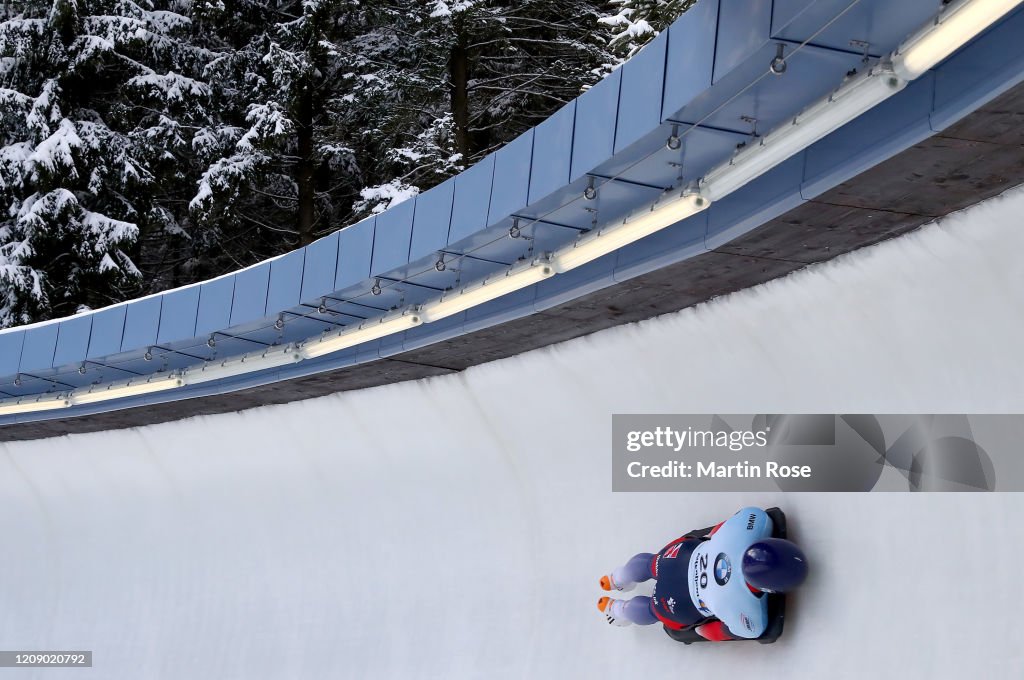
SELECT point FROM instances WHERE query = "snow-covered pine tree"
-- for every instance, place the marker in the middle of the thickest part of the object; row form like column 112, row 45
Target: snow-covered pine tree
column 455, row 79
column 152, row 143
column 94, row 97
column 635, row 23
column 396, row 106
column 279, row 167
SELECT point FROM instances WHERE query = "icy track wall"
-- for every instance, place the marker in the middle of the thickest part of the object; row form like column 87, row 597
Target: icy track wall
column 456, row 527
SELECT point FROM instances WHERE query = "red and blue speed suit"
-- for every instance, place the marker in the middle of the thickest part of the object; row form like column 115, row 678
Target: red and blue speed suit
column 670, row 604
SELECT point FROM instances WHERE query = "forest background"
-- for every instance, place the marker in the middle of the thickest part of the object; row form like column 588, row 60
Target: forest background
column 149, row 144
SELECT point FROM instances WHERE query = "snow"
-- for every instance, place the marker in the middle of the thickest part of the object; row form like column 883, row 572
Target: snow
column 222, row 175
column 208, row 141
column 338, row 156
column 117, row 261
column 12, row 157
column 107, row 263
column 17, row 34
column 88, row 48
column 24, row 276
column 632, row 28
column 385, row 196
column 169, row 21
column 121, row 30
column 33, row 212
column 13, row 98
column 45, row 109
column 268, row 121
column 442, row 9
column 7, row 65
column 56, row 152
column 172, row 87
column 107, row 232
column 456, row 527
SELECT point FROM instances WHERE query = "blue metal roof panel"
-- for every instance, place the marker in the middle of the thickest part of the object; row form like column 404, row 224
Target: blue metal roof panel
column 785, row 12
column 355, row 254
column 178, row 315
column 552, row 153
column 844, row 153
column 72, row 340
column 682, row 240
column 249, row 303
column 478, row 317
column 651, row 162
column 750, row 98
column 835, row 23
column 432, row 220
column 614, row 199
column 472, row 200
column 769, row 195
column 565, row 287
column 511, row 185
column 319, row 268
column 215, row 305
column 594, row 132
column 393, row 237
column 141, row 323
column 37, row 352
column 10, row 352
column 744, row 26
column 427, row 334
column 107, row 332
column 643, row 81
column 24, row 384
column 285, row 288
column 690, row 58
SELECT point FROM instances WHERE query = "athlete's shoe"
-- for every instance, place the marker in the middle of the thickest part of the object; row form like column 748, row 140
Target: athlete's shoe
column 608, row 584
column 612, row 611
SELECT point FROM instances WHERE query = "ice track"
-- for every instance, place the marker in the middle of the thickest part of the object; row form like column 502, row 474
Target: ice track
column 456, row 527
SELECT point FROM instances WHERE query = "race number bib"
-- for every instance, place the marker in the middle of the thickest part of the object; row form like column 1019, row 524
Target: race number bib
column 716, row 581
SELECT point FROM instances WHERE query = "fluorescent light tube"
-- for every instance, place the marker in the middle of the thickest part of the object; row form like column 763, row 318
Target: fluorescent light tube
column 954, row 27
column 250, row 363
column 610, row 238
column 827, row 115
column 491, row 288
column 130, row 389
column 31, row 406
column 371, row 329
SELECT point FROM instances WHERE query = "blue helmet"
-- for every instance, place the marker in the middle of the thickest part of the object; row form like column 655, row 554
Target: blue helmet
column 774, row 565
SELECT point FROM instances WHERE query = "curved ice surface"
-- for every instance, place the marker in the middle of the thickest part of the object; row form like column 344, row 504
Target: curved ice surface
column 456, row 527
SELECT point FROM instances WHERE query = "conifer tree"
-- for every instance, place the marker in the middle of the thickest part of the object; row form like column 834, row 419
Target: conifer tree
column 146, row 144
column 635, row 23
column 456, row 79
column 279, row 167
column 83, row 154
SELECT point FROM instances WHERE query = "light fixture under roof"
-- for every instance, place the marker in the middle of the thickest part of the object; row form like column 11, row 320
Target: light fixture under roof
column 958, row 23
